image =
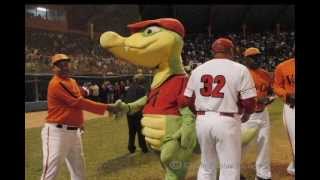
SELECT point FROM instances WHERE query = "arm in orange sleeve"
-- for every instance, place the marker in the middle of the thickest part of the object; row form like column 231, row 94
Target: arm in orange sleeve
column 278, row 84
column 80, row 102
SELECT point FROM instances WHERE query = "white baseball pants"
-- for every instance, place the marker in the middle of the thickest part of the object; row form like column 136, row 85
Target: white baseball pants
column 262, row 122
column 220, row 142
column 59, row 144
column 289, row 124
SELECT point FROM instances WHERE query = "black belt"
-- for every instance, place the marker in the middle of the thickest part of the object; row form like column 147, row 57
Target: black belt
column 69, row 127
column 221, row 113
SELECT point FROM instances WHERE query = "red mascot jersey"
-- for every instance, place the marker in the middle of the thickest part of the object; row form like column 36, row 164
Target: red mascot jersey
column 165, row 100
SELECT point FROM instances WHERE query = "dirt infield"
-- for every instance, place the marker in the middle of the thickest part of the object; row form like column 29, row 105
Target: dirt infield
column 36, row 119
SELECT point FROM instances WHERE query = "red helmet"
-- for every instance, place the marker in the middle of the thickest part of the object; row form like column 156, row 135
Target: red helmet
column 168, row 23
column 221, row 44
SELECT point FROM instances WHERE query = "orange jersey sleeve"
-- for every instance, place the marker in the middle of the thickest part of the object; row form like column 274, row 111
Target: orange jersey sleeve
column 263, row 82
column 284, row 78
column 65, row 102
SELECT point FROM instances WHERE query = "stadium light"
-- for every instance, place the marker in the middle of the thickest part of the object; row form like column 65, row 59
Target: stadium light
column 41, row 9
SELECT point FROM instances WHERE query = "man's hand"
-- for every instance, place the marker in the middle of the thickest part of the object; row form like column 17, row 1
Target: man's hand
column 245, row 117
column 291, row 100
column 187, row 131
column 265, row 100
column 115, row 108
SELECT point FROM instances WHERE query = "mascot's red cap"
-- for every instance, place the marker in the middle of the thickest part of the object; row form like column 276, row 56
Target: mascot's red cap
column 168, row 23
column 221, row 44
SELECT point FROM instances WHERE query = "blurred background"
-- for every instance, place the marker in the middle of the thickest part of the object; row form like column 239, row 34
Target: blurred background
column 75, row 31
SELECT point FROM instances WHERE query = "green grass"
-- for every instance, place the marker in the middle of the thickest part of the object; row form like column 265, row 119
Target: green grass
column 105, row 148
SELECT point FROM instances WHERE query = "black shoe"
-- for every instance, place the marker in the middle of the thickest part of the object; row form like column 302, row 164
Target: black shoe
column 242, row 177
column 145, row 151
column 260, row 178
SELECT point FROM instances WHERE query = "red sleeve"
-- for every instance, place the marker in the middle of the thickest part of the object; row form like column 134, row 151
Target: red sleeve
column 184, row 101
column 247, row 105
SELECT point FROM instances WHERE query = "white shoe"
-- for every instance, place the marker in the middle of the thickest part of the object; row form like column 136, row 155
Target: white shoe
column 291, row 169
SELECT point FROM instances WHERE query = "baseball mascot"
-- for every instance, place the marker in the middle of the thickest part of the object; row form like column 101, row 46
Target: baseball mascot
column 168, row 124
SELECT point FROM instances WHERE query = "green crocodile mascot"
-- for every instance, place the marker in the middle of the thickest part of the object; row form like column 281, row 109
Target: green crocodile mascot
column 168, row 123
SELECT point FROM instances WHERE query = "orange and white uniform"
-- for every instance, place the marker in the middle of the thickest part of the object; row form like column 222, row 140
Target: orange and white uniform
column 261, row 122
column 284, row 84
column 61, row 134
column 66, row 102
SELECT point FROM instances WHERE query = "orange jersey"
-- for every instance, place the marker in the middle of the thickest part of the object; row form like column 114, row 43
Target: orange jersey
column 284, row 78
column 262, row 81
column 66, row 102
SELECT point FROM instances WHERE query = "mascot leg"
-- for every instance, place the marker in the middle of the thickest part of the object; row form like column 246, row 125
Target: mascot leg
column 175, row 159
column 247, row 135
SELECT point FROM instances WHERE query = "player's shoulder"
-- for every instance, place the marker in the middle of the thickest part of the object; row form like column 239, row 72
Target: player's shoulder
column 263, row 71
column 54, row 81
column 238, row 66
column 285, row 63
column 266, row 73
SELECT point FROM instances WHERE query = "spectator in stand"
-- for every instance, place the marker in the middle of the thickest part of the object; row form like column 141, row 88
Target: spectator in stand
column 117, row 91
column 122, row 89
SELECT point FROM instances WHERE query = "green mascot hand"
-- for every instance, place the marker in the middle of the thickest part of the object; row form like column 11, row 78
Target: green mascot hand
column 187, row 132
column 118, row 109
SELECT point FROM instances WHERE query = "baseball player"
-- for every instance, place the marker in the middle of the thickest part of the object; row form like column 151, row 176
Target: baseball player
column 259, row 121
column 219, row 85
column 61, row 134
column 284, row 87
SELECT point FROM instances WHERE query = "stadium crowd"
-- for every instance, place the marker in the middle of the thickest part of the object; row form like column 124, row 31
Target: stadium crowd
column 274, row 48
column 89, row 58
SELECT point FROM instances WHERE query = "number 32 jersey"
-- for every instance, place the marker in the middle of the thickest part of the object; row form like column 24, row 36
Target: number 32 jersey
column 218, row 84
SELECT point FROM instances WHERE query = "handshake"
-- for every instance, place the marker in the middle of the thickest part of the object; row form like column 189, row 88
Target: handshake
column 119, row 108
column 266, row 100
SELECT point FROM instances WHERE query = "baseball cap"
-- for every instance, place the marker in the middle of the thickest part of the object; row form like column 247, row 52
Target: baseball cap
column 221, row 44
column 168, row 23
column 59, row 57
column 251, row 52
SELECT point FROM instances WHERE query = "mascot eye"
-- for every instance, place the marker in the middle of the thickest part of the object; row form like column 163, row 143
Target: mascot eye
column 151, row 30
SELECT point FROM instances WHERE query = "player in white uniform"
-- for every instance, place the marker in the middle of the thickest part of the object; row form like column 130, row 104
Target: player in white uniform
column 220, row 86
column 284, row 87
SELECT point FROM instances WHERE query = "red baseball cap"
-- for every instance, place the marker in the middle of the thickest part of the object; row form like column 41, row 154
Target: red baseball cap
column 168, row 23
column 221, row 44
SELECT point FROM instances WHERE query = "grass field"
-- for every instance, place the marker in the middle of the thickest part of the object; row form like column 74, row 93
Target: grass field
column 105, row 147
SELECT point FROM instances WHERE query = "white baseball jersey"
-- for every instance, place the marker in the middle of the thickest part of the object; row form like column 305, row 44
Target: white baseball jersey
column 217, row 86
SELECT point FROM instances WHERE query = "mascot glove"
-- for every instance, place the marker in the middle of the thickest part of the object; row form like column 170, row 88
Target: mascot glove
column 187, row 131
column 119, row 107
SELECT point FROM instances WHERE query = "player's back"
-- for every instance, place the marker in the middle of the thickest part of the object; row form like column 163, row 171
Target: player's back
column 217, row 84
column 285, row 77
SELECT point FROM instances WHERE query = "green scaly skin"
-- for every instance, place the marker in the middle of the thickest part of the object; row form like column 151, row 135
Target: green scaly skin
column 177, row 137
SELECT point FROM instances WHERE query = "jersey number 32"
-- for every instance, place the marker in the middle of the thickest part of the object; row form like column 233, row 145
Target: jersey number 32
column 208, row 81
